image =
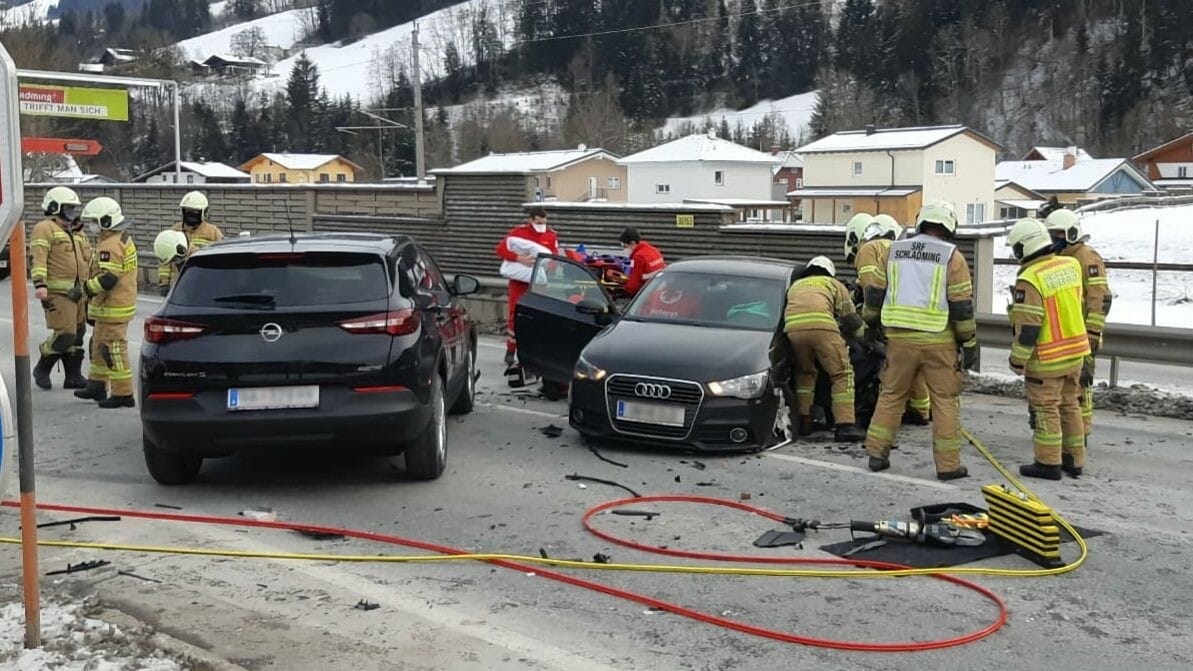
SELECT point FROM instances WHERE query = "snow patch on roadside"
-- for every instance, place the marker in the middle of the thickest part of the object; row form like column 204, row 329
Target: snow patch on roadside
column 1134, row 399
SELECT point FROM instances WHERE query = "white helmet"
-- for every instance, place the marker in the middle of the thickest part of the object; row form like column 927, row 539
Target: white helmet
column 884, row 226
column 170, row 245
column 853, row 233
column 939, row 212
column 823, row 262
column 1027, row 238
column 1067, row 224
column 105, row 212
column 194, row 201
column 58, row 197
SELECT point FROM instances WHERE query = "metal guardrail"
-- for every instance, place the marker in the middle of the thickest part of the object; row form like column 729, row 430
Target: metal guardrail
column 1124, row 265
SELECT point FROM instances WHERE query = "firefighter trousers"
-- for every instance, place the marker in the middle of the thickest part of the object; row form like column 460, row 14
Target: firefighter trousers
column 827, row 348
column 68, row 322
column 1086, row 400
column 941, row 370
column 109, row 357
column 1056, row 418
column 919, row 401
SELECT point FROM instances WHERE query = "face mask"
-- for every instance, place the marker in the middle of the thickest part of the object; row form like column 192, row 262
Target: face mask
column 192, row 217
column 539, row 227
column 1059, row 245
column 68, row 213
column 93, row 227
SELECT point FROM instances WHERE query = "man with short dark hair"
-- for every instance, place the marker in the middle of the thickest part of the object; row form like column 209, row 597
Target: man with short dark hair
column 535, row 231
column 645, row 260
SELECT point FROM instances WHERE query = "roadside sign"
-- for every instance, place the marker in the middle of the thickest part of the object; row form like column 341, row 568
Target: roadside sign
column 685, row 221
column 8, row 442
column 12, row 189
column 53, row 145
column 74, row 102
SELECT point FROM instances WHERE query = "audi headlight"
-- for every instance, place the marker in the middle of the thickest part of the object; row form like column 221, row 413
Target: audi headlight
column 586, row 371
column 746, row 386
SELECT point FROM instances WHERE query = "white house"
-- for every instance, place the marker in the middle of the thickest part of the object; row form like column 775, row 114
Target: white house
column 1073, row 178
column 894, row 171
column 195, row 172
column 702, row 168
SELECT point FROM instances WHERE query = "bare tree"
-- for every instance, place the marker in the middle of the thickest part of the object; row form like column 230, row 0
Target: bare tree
column 250, row 42
column 597, row 119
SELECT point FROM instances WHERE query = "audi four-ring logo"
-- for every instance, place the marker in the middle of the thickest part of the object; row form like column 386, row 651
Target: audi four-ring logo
column 271, row 332
column 648, row 390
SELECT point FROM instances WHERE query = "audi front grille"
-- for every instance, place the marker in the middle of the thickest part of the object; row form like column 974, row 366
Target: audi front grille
column 653, row 390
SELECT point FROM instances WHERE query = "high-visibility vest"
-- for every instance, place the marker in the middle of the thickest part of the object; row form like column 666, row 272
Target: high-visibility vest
column 1063, row 339
column 917, row 274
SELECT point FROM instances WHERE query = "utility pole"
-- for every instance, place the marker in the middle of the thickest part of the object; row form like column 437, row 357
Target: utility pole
column 419, row 140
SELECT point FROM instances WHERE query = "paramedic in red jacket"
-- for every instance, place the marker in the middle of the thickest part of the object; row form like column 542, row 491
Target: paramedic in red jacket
column 646, row 260
column 535, row 230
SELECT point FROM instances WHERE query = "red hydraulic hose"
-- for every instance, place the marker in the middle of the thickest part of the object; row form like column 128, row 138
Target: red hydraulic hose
column 653, row 603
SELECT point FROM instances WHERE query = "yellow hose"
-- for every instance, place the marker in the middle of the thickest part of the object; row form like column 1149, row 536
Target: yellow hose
column 592, row 566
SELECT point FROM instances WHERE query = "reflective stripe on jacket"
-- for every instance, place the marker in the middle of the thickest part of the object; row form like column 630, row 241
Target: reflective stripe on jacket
column 917, row 285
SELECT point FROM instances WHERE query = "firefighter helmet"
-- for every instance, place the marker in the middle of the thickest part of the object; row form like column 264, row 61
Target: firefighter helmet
column 824, row 263
column 1027, row 238
column 196, row 202
column 170, row 245
column 939, row 212
column 105, row 212
column 884, row 226
column 1067, row 224
column 58, row 197
column 853, row 233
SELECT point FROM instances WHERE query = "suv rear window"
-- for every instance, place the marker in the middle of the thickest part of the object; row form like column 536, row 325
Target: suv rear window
column 281, row 280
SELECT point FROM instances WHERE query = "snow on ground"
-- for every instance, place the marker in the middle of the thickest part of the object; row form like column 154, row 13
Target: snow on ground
column 281, row 30
column 544, row 103
column 218, row 8
column 71, row 641
column 1129, row 235
column 37, row 11
column 796, row 112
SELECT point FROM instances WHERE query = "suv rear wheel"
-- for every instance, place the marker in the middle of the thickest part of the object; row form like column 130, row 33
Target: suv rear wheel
column 427, row 457
column 170, row 468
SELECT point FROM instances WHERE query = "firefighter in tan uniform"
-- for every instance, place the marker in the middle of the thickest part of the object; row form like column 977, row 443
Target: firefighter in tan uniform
column 870, row 264
column 198, row 231
column 818, row 317
column 1071, row 240
column 1049, row 348
column 112, row 293
column 925, row 305
column 61, row 258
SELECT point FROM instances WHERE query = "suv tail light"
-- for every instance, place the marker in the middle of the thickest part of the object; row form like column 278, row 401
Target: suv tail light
column 158, row 330
column 394, row 323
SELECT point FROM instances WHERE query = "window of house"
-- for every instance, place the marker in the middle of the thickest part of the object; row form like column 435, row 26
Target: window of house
column 341, row 178
column 945, row 167
column 1182, row 172
column 190, row 179
column 975, row 213
column 857, row 168
column 719, row 177
column 799, row 182
column 782, row 180
column 324, row 177
column 538, row 181
column 548, row 182
column 614, row 183
column 281, row 177
column 662, row 188
column 267, row 178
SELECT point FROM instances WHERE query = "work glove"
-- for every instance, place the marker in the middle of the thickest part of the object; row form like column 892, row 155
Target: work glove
column 970, row 355
column 1087, row 372
column 75, row 294
column 163, row 289
column 1095, row 342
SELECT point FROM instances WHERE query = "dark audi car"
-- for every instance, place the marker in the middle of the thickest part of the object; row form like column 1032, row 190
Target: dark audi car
column 697, row 359
column 351, row 340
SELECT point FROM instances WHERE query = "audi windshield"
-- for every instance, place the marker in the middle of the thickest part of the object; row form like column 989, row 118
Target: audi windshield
column 712, row 300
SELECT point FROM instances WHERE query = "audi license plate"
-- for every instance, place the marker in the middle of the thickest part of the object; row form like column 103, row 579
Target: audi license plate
column 273, row 398
column 650, row 413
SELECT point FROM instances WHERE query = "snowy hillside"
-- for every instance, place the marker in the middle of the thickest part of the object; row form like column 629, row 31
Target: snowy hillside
column 796, row 112
column 282, row 30
column 1129, row 235
column 37, row 11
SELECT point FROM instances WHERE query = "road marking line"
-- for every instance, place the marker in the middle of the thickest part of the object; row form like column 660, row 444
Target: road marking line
column 861, row 471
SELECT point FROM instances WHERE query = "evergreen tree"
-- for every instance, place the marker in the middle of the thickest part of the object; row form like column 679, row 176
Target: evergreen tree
column 302, row 93
column 208, row 142
column 714, row 64
column 533, row 23
column 148, row 151
column 454, row 82
column 747, row 54
column 114, row 17
column 244, row 9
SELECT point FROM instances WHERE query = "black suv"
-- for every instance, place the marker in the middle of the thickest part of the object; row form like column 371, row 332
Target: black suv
column 352, row 340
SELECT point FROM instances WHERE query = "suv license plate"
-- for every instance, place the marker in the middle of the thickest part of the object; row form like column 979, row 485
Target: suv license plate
column 273, row 398
column 650, row 413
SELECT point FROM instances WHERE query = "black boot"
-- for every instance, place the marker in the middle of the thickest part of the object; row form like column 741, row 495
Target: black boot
column 879, row 464
column 94, row 391
column 962, row 472
column 1066, row 465
column 805, row 425
column 41, row 372
column 1041, row 471
column 914, row 418
column 849, row 433
column 117, row 402
column 74, row 379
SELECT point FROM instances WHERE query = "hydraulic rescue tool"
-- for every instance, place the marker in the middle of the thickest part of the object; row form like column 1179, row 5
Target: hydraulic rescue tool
column 1025, row 522
column 937, row 533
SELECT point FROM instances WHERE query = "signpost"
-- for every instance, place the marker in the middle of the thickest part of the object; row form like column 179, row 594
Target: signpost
column 12, row 204
column 53, row 145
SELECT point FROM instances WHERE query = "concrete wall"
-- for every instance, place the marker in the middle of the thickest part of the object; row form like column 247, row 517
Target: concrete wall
column 695, row 180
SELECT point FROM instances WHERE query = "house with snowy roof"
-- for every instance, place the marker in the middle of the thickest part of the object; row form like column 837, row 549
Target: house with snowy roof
column 195, row 172
column 1074, row 177
column 701, row 167
column 1169, row 165
column 279, row 168
column 1042, row 153
column 895, row 170
column 575, row 175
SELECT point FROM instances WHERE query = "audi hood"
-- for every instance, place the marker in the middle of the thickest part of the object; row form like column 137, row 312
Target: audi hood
column 699, row 353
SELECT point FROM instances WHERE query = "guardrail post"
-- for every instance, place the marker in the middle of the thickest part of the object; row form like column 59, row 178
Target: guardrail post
column 1113, row 372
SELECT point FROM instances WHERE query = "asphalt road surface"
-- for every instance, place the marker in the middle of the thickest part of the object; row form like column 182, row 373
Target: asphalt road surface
column 505, row 491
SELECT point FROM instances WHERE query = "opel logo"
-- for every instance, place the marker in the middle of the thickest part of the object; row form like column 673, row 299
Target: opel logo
column 649, row 390
column 271, row 332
